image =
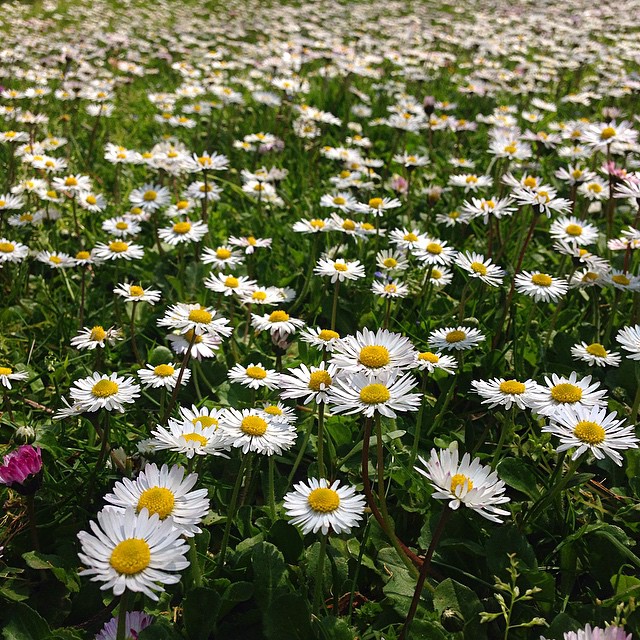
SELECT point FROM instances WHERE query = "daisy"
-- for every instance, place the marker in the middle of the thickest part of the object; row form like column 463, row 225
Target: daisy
column 477, row 266
column 339, row 270
column 410, row 161
column 317, row 506
column 254, row 376
column 165, row 492
column 183, row 232
column 390, row 260
column 121, row 227
column 7, row 374
column 440, row 277
column 603, row 135
column 12, row 251
column 470, row 181
column 315, row 225
column 572, row 229
column 378, row 206
column 343, row 201
column 117, row 250
column 202, row 191
column 191, row 437
column 562, row 392
column 135, row 622
column 322, row 339
column 591, row 429
column 250, row 243
column 102, row 391
column 73, row 184
column 92, row 202
column 278, row 323
column 310, row 383
column 622, row 280
column 9, row 202
column 133, row 551
column 574, row 175
column 163, row 375
column 541, row 286
column 629, row 339
column 280, row 413
column 465, row 482
column 544, row 200
column 481, row 208
column 202, row 346
column 262, row 295
column 135, row 293
column 91, row 337
column 387, row 393
column 373, row 353
column 393, row 289
column 608, row 633
column 222, row 257
column 457, row 338
column 229, row 284
column 595, row 353
column 55, row 259
column 500, row 392
column 594, row 189
column 194, row 317
column 255, row 430
column 150, row 197
column 407, row 239
column 432, row 252
column 429, row 361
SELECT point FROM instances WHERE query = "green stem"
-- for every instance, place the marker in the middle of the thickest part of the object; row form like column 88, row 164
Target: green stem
column 504, row 431
column 416, row 435
column 321, row 468
column 176, row 389
column 334, row 310
column 122, row 616
column 194, row 569
column 317, row 592
column 440, row 417
column 303, row 448
column 272, row 490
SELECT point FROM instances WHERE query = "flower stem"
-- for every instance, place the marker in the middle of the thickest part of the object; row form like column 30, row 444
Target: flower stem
column 416, row 435
column 132, row 327
column 121, row 634
column 317, row 591
column 334, row 310
column 437, row 534
column 31, row 515
column 194, row 569
column 321, row 468
column 272, row 489
column 176, row 389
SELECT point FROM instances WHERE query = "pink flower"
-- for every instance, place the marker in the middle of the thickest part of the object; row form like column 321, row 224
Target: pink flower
column 20, row 466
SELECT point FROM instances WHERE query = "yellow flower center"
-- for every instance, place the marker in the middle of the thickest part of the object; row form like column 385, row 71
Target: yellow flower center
column 158, row 500
column 104, row 389
column 149, row 196
column 164, row 370
column 436, row 274
column 620, row 279
column 391, row 288
column 253, row 426
column 573, row 229
column 223, row 253
column 279, row 316
column 541, row 279
column 319, row 378
column 251, row 241
column 6, row 371
column 135, row 290
column 327, row 334
column 55, row 259
column 390, row 263
column 340, row 266
column 130, row 556
column 98, row 334
column 596, row 349
column 135, row 211
column 189, row 337
column 7, row 247
column 471, row 180
column 118, row 246
column 195, row 437
column 91, row 200
column 375, row 203
column 455, row 336
column 607, row 133
column 122, row 225
column 83, row 255
column 70, row 182
column 458, row 483
column 576, row 173
column 339, row 200
column 52, row 194
column 427, row 356
column 205, row 188
column 231, row 282
column 410, row 237
column 349, row 225
column 590, row 276
column 25, row 217
column 531, row 182
column 434, row 248
column 345, row 174
column 323, row 500
column 478, row 267
column 375, row 393
column 374, row 356
column 273, row 410
column 205, row 421
column 566, row 392
column 512, row 387
column 183, row 204
column 490, row 204
column 182, row 227
column 589, row 432
column 259, row 295
column 317, row 223
column 200, row 315
column 510, row 148
column 257, row 373
column 594, row 187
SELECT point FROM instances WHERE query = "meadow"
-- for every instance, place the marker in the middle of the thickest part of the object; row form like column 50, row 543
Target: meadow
column 319, row 320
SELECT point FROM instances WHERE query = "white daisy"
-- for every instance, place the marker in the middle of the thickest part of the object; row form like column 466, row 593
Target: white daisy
column 204, row 345
column 322, row 339
column 150, row 197
column 196, row 436
column 194, row 317
column 7, row 374
column 502, row 392
column 457, row 338
column 222, row 257
column 477, row 266
column 135, row 293
column 229, row 284
column 541, row 286
column 466, row 482
column 117, row 250
column 163, row 375
column 254, row 376
column 165, row 492
column 562, row 392
column 429, row 361
column 629, row 339
column 393, row 289
column 595, row 353
column 133, row 551
column 279, row 323
column 255, row 430
column 102, row 391
column 310, row 383
column 318, row 506
column 432, row 251
column 591, row 429
column 183, row 232
column 92, row 337
column 339, row 270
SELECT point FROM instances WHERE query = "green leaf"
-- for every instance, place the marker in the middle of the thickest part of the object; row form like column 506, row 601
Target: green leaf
column 201, row 607
column 332, row 628
column 561, row 623
column 517, row 474
column 235, row 593
column 160, row 355
column 450, row 594
column 288, row 539
column 505, row 540
column 270, row 573
column 427, row 630
column 288, row 618
column 53, row 563
column 25, row 624
column 161, row 629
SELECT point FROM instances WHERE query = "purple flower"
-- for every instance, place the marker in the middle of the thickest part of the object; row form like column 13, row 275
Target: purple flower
column 21, row 468
column 135, row 622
